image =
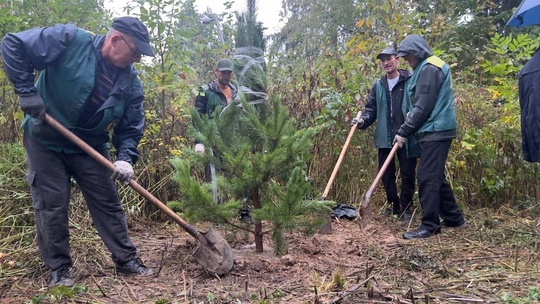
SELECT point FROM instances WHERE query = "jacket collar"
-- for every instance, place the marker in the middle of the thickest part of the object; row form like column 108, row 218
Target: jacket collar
column 123, row 80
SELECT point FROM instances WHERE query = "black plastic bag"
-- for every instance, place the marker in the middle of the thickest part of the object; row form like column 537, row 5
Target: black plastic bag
column 344, row 211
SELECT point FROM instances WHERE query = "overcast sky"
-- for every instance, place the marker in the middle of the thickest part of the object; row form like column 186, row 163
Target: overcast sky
column 267, row 13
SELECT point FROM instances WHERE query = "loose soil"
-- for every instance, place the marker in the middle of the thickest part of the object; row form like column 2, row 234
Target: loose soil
column 495, row 258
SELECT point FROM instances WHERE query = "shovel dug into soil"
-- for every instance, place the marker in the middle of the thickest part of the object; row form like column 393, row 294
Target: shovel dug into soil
column 213, row 253
column 327, row 227
column 363, row 209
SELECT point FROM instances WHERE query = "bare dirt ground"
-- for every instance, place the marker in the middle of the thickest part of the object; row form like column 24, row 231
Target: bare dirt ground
column 494, row 259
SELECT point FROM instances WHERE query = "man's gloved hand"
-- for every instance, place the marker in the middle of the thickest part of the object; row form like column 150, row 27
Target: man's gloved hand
column 33, row 105
column 399, row 140
column 199, row 148
column 359, row 122
column 123, row 171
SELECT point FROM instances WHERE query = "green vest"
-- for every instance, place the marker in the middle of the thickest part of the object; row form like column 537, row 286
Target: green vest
column 65, row 86
column 382, row 136
column 443, row 116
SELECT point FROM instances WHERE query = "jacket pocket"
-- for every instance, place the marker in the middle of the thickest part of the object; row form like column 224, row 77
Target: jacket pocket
column 37, row 197
column 45, row 196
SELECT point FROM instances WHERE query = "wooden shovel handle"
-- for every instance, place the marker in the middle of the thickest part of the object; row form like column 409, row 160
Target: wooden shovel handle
column 105, row 162
column 341, row 155
column 382, row 170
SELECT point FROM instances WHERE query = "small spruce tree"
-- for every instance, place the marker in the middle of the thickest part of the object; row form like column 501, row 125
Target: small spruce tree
column 261, row 161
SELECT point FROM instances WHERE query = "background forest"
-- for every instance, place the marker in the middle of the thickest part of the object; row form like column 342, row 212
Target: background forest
column 319, row 66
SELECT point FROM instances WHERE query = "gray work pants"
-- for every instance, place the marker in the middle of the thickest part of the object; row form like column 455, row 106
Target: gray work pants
column 49, row 174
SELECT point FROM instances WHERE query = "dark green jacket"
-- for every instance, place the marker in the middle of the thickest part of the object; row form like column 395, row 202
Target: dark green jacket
column 67, row 57
column 209, row 96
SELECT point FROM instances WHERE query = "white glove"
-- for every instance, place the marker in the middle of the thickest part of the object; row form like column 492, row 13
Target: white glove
column 123, row 171
column 399, row 140
column 199, row 148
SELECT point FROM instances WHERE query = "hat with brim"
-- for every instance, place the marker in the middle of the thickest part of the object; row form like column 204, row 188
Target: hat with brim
column 387, row 52
column 224, row 65
column 401, row 54
column 135, row 28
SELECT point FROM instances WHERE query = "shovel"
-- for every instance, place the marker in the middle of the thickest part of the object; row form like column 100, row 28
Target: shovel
column 340, row 158
column 362, row 209
column 213, row 252
column 327, row 227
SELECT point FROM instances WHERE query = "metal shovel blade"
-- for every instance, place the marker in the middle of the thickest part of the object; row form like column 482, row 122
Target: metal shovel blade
column 363, row 209
column 216, row 257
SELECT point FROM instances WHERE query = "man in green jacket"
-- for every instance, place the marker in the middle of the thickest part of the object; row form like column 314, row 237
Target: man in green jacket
column 87, row 83
column 385, row 105
column 432, row 120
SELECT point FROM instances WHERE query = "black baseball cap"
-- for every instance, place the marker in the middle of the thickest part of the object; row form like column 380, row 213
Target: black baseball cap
column 135, row 28
column 387, row 51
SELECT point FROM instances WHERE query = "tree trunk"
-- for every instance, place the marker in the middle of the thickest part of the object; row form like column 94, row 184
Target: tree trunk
column 258, row 224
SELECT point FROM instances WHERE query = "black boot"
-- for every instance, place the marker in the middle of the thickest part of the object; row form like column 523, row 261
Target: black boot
column 244, row 212
column 459, row 225
column 134, row 267
column 420, row 233
column 405, row 215
column 60, row 277
column 245, row 217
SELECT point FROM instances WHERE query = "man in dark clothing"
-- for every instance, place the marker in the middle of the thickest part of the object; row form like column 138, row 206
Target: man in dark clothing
column 385, row 106
column 432, row 120
column 87, row 82
column 529, row 102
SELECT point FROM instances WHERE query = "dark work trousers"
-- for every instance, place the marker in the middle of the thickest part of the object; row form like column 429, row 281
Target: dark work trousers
column 49, row 175
column 436, row 195
column 407, row 170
